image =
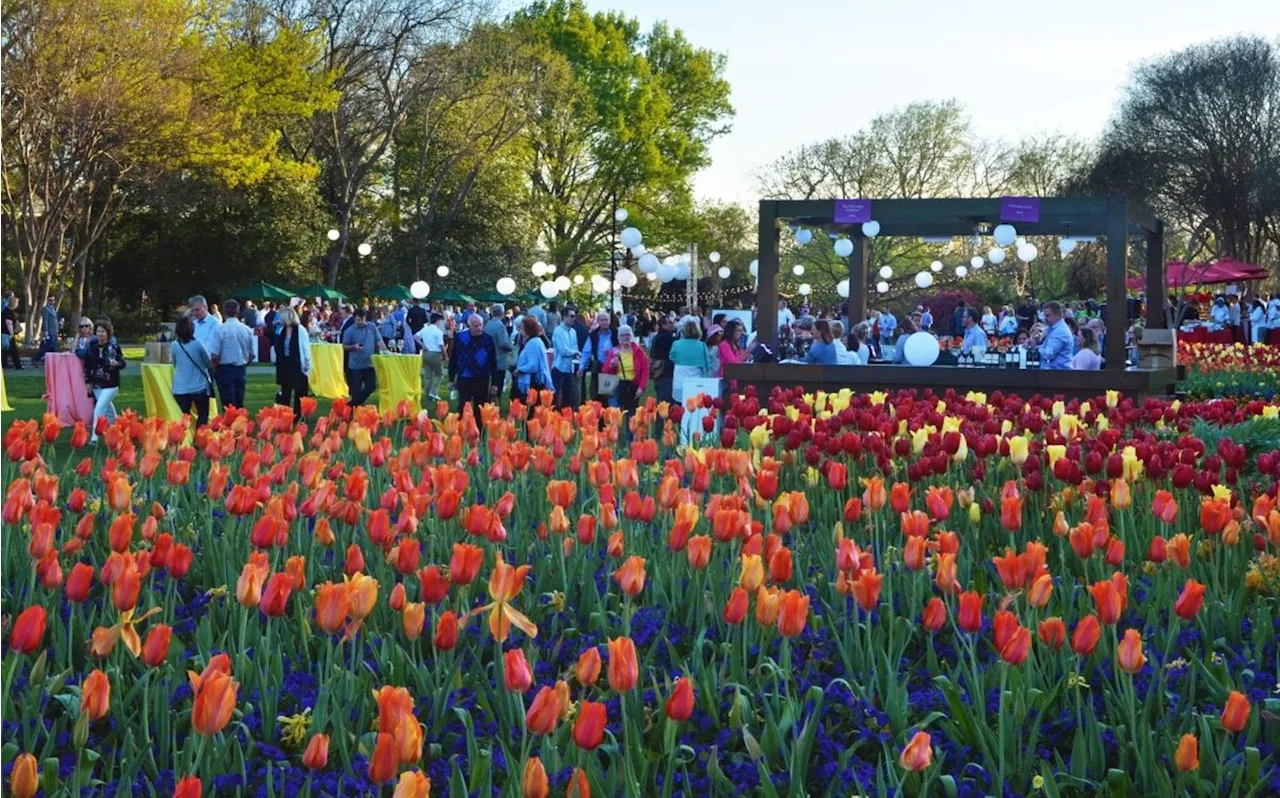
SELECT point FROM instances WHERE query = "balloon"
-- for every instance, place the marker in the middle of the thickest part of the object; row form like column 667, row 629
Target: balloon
column 666, row 272
column 539, row 268
column 921, row 349
column 334, row 235
column 364, row 249
column 577, row 279
column 976, row 262
column 599, row 284
column 443, row 271
column 995, row 255
column 1020, row 240
column 631, row 237
column 804, row 289
column 419, row 289
column 797, row 270
column 638, row 250
column 754, row 268
column 871, row 229
column 1004, row 234
column 1066, row 246
column 882, row 287
column 842, row 288
column 936, row 265
column 844, row 247
column 648, row 263
column 620, row 214
column 924, row 279
column 714, row 257
column 627, row 278
column 962, row 271
column 724, row 272
column 506, row 286
column 804, row 236
column 562, row 283
column 682, row 271
column 1027, row 253
column 549, row 289
column 886, row 272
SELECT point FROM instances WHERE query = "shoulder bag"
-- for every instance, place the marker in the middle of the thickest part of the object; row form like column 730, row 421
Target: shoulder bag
column 207, row 379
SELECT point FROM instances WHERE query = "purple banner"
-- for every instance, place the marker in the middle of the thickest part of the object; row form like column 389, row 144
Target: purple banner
column 1020, row 209
column 852, row 211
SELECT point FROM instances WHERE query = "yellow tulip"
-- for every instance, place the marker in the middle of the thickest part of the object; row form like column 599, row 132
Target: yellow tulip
column 878, row 397
column 1222, row 492
column 1019, row 449
column 1005, row 426
column 975, row 513
column 1132, row 465
column 1113, row 399
column 951, row 424
column 941, row 406
column 1059, row 407
column 760, row 437
column 918, row 440
column 1103, row 424
column 976, row 397
column 1271, row 411
column 1055, row 452
column 962, row 453
column 1069, row 426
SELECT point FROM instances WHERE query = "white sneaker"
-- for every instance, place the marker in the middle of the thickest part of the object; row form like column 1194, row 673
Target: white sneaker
column 94, row 439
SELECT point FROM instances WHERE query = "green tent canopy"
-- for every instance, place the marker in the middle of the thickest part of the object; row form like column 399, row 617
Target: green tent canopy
column 320, row 290
column 263, row 291
column 450, row 295
column 396, row 291
column 494, row 296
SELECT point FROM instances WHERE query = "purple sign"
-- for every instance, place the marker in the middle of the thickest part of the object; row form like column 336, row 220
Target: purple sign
column 852, row 211
column 1020, row 209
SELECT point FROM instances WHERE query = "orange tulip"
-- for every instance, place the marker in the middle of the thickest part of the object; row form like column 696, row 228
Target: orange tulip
column 465, row 563
column 874, row 495
column 913, row 553
column 752, row 574
column 95, row 695
column 1190, row 600
column 630, row 577
column 794, row 613
column 1085, row 638
column 534, row 781
column 624, row 667
column 1130, row 656
column 1215, row 514
column 1011, row 513
column 1052, row 631
column 1179, row 550
column 938, row 502
column 970, row 616
column 544, row 712
column 1165, row 507
column 385, row 760
column 579, row 786
column 156, row 649
column 215, row 700
column 1187, row 757
column 918, row 754
column 1041, row 591
column 1121, row 495
column 362, row 593
column 698, row 551
column 735, row 609
column 1235, row 714
column 332, row 606
column 935, row 615
column 588, row 727
column 914, row 523
column 866, row 589
column 1106, row 601
column 446, row 636
column 275, row 598
column 414, row 618
column 317, row 753
column 119, row 492
column 24, row 780
column 28, row 629
column 945, row 577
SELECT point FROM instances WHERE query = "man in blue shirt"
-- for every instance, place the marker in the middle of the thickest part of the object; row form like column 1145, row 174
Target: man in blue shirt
column 1056, row 342
column 564, row 345
column 888, row 324
column 926, row 319
column 974, row 336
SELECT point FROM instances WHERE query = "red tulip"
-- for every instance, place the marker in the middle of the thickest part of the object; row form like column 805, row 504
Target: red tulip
column 28, row 630
column 588, row 727
column 1190, row 600
column 680, row 703
column 624, row 667
column 970, row 616
column 517, row 675
column 1085, row 638
column 935, row 615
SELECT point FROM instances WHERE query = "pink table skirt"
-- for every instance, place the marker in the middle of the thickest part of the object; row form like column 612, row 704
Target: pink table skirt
column 66, row 395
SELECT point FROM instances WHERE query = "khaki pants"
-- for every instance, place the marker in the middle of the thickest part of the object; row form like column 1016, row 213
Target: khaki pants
column 434, row 368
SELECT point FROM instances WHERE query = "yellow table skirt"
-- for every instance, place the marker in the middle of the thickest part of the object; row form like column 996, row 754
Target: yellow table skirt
column 399, row 377
column 4, row 396
column 327, row 380
column 157, row 390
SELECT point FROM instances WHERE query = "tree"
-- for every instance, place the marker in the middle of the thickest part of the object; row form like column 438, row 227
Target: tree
column 1197, row 137
column 102, row 99
column 630, row 129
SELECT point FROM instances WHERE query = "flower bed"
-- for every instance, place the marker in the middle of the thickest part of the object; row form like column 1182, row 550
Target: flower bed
column 1236, row 370
column 834, row 595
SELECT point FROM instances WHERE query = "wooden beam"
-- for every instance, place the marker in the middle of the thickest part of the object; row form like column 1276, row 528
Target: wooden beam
column 1117, row 291
column 767, row 271
column 1142, row 216
column 857, row 280
column 1155, row 277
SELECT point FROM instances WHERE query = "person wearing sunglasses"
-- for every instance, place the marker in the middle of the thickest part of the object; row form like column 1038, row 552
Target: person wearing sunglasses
column 84, row 336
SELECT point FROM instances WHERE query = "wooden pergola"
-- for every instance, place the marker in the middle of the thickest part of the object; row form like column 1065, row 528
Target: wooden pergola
column 1113, row 218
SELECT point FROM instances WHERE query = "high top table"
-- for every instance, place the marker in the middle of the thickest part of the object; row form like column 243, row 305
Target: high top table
column 399, row 377
column 327, row 380
column 66, row 394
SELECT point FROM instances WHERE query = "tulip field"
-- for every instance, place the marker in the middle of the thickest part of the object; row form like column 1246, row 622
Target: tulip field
column 817, row 595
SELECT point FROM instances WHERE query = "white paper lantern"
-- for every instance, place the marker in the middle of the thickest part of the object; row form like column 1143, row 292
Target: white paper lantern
column 804, row 289
column 682, row 271
column 886, row 272
column 724, row 272
column 844, row 247
column 924, row 279
column 936, row 266
column 599, row 284
column 976, row 262
column 637, row 250
column 442, row 271
column 798, row 270
column 419, row 289
column 754, row 268
column 1027, row 253
column 620, row 214
column 714, row 257
column 631, row 237
column 364, row 249
column 921, row 349
column 842, row 288
column 995, row 255
column 577, row 279
column 563, row 283
column 549, row 289
column 962, row 271
column 882, row 287
column 550, row 268
column 871, row 229
column 1004, row 234
column 1020, row 241
column 804, row 236
column 539, row 268
column 1066, row 246
column 334, row 235
column 506, row 286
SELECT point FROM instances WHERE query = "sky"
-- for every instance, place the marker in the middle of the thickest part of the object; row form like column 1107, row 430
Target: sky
column 806, row 70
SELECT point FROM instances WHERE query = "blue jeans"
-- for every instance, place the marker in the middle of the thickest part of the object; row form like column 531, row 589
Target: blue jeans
column 231, row 383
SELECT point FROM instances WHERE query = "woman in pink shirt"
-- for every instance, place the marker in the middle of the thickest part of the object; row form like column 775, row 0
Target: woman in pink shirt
column 730, row 351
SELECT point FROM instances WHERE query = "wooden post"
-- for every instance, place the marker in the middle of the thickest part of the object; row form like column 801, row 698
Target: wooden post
column 1117, row 292
column 1155, row 277
column 767, row 271
column 858, row 280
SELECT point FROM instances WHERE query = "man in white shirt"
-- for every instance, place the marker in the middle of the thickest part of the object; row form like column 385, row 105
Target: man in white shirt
column 785, row 317
column 431, row 336
column 1220, row 314
column 205, row 323
column 231, row 352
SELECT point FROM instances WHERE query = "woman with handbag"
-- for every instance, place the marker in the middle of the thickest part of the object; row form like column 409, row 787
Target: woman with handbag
column 192, row 385
column 293, row 361
column 533, row 367
column 103, row 360
column 628, row 361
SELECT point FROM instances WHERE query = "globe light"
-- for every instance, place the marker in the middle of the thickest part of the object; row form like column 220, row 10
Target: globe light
column 962, row 271
column 549, row 289
column 976, row 262
column 714, row 257
column 334, row 235
column 563, row 283
column 936, row 266
column 804, row 289
column 577, row 279
column 550, row 268
column 539, row 268
column 797, row 270
column 442, row 271
column 599, row 284
column 506, row 286
column 844, row 247
column 364, row 249
column 885, row 272
column 419, row 289
column 724, row 272
column 924, row 279
column 882, row 287
column 804, row 236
